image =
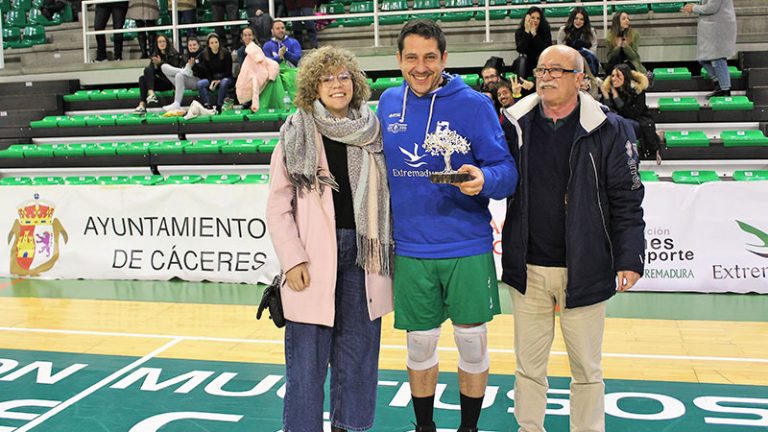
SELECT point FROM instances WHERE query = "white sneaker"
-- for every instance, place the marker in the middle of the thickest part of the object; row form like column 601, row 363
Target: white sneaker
column 172, row 107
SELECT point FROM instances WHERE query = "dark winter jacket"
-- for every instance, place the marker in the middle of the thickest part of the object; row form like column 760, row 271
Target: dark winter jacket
column 604, row 217
column 631, row 105
column 214, row 66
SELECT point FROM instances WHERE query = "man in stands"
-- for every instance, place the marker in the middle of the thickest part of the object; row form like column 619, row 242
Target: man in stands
column 572, row 231
column 442, row 232
column 282, row 48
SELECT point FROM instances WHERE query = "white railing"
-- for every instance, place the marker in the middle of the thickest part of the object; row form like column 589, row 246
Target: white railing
column 486, row 8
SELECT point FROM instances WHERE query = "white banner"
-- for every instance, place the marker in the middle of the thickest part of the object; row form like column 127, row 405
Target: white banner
column 707, row 238
column 193, row 232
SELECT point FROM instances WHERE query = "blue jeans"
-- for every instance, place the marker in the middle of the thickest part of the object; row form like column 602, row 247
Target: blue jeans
column 350, row 347
column 224, row 86
column 718, row 71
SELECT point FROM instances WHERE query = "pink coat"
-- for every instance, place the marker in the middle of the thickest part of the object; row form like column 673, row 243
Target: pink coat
column 306, row 232
column 256, row 71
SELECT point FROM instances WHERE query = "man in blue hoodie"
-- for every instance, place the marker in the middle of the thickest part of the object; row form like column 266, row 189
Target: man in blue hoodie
column 443, row 239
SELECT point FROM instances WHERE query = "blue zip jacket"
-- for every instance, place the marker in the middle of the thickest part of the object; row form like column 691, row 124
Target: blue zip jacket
column 292, row 54
column 604, row 219
column 437, row 220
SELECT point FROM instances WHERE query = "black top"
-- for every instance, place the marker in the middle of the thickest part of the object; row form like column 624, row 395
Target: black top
column 336, row 153
column 548, row 161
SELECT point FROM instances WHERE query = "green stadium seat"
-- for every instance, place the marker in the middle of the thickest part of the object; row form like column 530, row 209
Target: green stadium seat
column 80, row 95
column 597, row 11
column 671, row 73
column 11, row 36
column 752, row 175
column 128, row 120
column 359, row 7
column 104, row 149
column 558, row 11
column 196, row 120
column 47, row 181
column 66, row 15
column 426, row 4
column 667, row 7
column 168, row 147
column 385, row 83
column 733, row 71
column 256, row 179
column 131, row 93
column 41, row 150
column 222, row 179
column 519, row 13
column 205, row 147
column 5, row 6
column 470, row 79
column 678, row 104
column 70, row 150
column 113, row 180
column 269, row 146
column 731, row 103
column 147, row 180
column 158, row 118
column 391, row 6
column 11, row 154
column 495, row 14
column 21, row 5
column 694, row 177
column 107, row 94
column 184, row 179
column 266, row 115
column 743, row 138
column 73, row 121
column 333, row 8
column 135, row 148
column 36, row 17
column 243, row 146
column 15, row 181
column 46, row 122
column 648, row 176
column 632, row 9
column 231, row 116
column 81, row 180
column 129, row 36
column 103, row 120
column 15, row 18
column 686, row 139
column 457, row 16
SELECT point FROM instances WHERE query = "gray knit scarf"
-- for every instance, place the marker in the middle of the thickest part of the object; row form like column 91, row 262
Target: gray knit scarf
column 301, row 137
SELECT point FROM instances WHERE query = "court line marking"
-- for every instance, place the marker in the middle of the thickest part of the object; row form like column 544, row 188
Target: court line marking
column 92, row 389
column 391, row 347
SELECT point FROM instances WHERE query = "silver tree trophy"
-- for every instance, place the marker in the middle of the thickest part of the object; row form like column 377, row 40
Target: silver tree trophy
column 446, row 142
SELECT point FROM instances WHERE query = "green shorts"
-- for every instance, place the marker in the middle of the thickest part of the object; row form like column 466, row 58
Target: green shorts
column 428, row 291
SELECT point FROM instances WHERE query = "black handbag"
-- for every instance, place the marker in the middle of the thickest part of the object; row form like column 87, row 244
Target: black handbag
column 271, row 300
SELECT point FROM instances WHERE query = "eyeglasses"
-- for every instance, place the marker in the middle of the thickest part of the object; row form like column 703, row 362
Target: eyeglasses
column 554, row 72
column 343, row 78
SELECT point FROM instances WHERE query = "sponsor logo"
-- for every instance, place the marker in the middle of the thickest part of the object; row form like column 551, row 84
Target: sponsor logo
column 760, row 249
column 34, row 238
column 397, row 127
column 413, row 160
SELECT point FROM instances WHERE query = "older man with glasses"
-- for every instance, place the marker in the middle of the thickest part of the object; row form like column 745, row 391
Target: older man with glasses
column 573, row 236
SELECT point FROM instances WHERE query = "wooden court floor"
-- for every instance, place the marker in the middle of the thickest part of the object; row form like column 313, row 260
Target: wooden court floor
column 704, row 345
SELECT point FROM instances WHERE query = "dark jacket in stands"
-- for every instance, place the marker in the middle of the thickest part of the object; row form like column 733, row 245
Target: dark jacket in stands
column 604, row 218
column 532, row 46
column 213, row 66
column 631, row 105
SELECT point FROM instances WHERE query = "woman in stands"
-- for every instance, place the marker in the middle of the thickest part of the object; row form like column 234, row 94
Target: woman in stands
column 578, row 34
column 246, row 37
column 533, row 37
column 624, row 92
column 183, row 78
column 329, row 220
column 255, row 72
column 622, row 44
column 215, row 64
column 153, row 78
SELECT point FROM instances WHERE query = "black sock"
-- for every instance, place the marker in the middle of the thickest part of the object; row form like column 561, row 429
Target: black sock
column 470, row 411
column 423, row 407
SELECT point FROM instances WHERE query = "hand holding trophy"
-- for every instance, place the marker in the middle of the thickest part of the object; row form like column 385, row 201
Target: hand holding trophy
column 446, row 142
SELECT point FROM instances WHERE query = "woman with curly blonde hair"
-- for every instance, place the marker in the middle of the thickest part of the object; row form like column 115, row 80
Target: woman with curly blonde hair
column 328, row 217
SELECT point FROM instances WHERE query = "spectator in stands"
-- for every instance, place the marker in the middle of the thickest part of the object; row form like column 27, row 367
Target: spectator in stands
column 531, row 38
column 218, row 10
column 215, row 64
column 153, row 78
column 117, row 11
column 303, row 8
column 624, row 92
column 330, row 152
column 183, row 78
column 282, row 47
column 716, row 40
column 246, row 37
column 506, row 93
column 491, row 73
column 187, row 14
column 259, row 19
column 256, row 71
column 622, row 44
column 571, row 147
column 51, row 7
column 578, row 34
column 145, row 13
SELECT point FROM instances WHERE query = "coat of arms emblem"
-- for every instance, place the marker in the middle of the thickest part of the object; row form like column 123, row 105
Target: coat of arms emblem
column 34, row 238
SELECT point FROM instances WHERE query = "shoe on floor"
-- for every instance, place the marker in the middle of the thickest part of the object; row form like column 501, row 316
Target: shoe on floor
column 719, row 92
column 172, row 107
column 140, row 110
column 152, row 99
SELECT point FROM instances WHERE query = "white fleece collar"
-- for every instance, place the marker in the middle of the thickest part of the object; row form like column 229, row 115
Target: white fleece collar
column 590, row 114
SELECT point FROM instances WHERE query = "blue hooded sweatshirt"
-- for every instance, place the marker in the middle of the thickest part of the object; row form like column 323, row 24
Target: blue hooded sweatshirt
column 437, row 220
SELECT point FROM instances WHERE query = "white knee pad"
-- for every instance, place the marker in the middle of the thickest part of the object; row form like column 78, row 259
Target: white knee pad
column 472, row 343
column 422, row 348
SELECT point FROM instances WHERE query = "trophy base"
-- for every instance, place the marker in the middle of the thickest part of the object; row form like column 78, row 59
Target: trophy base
column 449, row 177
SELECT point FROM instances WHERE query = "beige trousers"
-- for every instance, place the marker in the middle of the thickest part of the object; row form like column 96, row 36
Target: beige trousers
column 582, row 329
